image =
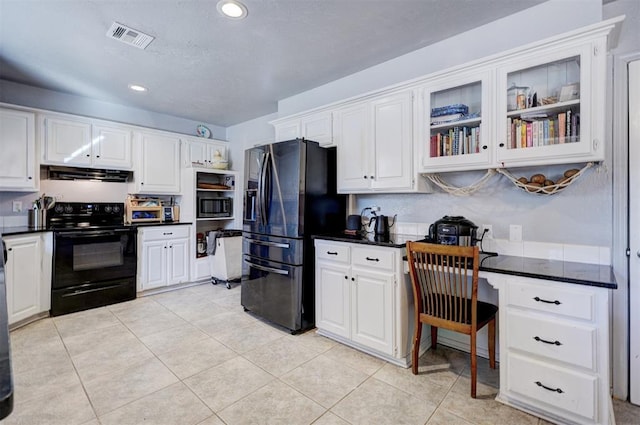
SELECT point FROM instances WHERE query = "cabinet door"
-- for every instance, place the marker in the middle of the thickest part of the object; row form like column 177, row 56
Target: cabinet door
column 112, row 147
column 18, row 147
column 371, row 309
column 178, row 261
column 333, row 305
column 197, row 153
column 287, row 130
column 355, row 154
column 452, row 132
column 67, row 142
column 23, row 276
column 393, row 141
column 160, row 164
column 565, row 123
column 154, row 265
column 318, row 127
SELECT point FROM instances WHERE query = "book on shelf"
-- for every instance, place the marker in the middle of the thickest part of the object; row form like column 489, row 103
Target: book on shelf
column 562, row 126
column 445, row 119
column 457, row 108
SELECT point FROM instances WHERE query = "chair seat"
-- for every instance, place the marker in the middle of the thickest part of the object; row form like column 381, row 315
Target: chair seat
column 486, row 311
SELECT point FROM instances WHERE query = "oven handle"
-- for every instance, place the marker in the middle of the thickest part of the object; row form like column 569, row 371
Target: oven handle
column 91, row 233
column 87, row 291
column 267, row 269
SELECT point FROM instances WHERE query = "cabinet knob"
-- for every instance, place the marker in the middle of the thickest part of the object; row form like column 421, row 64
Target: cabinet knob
column 353, row 279
column 30, row 178
column 87, row 155
column 501, row 145
column 141, row 183
column 9, row 249
column 371, row 177
column 346, row 277
column 97, row 156
column 484, row 146
column 365, row 177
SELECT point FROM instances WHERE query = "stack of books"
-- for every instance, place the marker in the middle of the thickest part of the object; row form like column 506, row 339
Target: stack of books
column 526, row 132
column 449, row 113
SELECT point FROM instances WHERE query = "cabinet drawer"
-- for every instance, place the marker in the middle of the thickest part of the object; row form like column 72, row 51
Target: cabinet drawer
column 571, row 302
column 381, row 258
column 164, row 233
column 333, row 252
column 563, row 388
column 555, row 339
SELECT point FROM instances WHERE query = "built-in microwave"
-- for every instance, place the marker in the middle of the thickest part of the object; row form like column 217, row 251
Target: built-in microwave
column 214, row 207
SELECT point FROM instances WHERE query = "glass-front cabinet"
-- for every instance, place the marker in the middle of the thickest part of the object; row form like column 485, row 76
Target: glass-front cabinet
column 455, row 123
column 548, row 105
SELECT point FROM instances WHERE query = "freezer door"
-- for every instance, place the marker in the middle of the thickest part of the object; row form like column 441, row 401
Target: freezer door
column 273, row 291
column 273, row 248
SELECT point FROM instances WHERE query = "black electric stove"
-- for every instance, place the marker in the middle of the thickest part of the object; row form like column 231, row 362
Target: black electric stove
column 94, row 256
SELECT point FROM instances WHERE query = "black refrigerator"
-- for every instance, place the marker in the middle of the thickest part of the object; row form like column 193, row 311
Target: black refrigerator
column 290, row 195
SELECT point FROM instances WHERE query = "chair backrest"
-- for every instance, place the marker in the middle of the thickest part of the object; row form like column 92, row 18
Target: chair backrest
column 439, row 276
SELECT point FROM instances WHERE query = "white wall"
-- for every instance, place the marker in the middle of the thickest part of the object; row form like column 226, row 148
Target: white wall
column 34, row 97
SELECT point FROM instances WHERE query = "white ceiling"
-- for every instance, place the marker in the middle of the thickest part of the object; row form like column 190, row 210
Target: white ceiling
column 204, row 67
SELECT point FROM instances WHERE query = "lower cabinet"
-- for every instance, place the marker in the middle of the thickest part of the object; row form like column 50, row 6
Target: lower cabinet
column 28, row 276
column 554, row 348
column 163, row 256
column 363, row 298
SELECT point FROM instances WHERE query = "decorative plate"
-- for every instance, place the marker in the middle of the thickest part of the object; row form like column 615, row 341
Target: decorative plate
column 203, row 131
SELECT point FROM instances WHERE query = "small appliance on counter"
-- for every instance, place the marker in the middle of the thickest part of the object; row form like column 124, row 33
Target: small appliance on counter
column 354, row 224
column 453, row 230
column 380, row 224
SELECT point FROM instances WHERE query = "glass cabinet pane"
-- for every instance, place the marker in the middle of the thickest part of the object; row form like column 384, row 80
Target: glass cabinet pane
column 455, row 117
column 543, row 104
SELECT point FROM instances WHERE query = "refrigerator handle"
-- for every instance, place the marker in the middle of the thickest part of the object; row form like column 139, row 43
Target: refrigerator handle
column 266, row 188
column 267, row 269
column 265, row 243
column 260, row 194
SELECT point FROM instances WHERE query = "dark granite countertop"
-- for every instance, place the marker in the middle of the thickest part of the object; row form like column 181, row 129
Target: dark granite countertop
column 6, row 377
column 21, row 230
column 560, row 271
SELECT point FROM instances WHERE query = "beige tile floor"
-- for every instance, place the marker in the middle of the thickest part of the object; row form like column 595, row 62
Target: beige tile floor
column 192, row 356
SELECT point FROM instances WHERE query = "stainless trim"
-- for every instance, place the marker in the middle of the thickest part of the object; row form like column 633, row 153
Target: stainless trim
column 267, row 269
column 274, row 244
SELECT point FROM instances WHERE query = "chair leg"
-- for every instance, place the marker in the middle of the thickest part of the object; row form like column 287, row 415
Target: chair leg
column 492, row 343
column 474, row 365
column 417, row 335
column 434, row 337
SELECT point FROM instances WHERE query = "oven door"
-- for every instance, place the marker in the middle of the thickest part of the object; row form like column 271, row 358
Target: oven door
column 88, row 256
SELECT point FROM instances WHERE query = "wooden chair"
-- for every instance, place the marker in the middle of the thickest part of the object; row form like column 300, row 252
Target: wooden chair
column 443, row 298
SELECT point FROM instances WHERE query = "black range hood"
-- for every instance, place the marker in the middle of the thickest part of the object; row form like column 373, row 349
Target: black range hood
column 55, row 172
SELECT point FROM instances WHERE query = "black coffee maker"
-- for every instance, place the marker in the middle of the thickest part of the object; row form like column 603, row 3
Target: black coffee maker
column 453, row 230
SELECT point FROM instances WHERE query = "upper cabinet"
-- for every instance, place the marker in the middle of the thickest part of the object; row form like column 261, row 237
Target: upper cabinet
column 200, row 152
column 86, row 143
column 550, row 106
column 18, row 164
column 375, row 144
column 316, row 126
column 158, row 163
column 455, row 124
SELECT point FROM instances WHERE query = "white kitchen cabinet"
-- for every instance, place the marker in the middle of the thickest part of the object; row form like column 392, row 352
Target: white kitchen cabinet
column 158, row 165
column 554, row 348
column 315, row 126
column 200, row 152
column 163, row 258
column 375, row 145
column 18, row 164
column 363, row 298
column 28, row 276
column 452, row 140
column 76, row 141
column 567, row 122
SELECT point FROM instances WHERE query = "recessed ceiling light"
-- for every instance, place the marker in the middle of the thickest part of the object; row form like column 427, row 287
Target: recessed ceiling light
column 232, row 9
column 136, row 87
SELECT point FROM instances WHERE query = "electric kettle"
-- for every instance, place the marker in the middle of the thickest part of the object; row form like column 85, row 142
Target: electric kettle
column 381, row 224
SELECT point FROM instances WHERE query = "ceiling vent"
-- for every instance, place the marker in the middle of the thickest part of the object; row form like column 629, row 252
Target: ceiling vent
column 129, row 35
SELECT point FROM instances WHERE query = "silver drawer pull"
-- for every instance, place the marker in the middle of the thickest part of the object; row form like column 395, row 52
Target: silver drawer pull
column 372, row 259
column 537, row 338
column 555, row 390
column 332, row 253
column 540, row 300
column 265, row 243
column 267, row 269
